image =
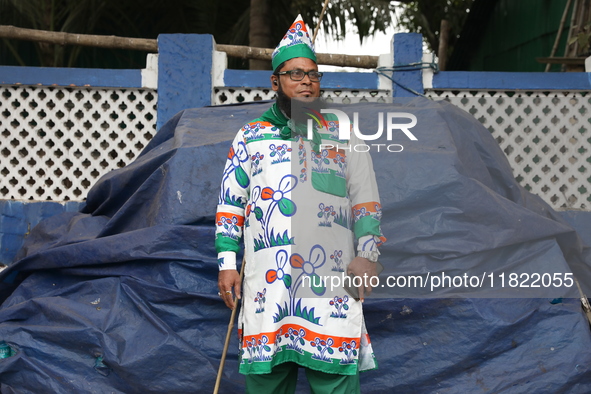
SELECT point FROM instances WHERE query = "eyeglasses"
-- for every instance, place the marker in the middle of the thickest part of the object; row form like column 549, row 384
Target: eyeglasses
column 298, row 75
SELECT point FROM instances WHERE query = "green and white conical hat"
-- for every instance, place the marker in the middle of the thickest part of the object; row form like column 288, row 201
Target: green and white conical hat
column 295, row 43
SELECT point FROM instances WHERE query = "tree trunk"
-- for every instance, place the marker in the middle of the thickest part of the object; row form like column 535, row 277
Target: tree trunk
column 260, row 32
column 443, row 44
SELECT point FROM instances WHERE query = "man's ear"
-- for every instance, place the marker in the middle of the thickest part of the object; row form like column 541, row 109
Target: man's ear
column 274, row 83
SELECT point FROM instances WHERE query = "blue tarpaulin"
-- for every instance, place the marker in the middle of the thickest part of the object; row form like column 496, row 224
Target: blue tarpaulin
column 122, row 296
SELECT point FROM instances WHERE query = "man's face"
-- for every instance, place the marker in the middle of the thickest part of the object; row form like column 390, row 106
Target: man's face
column 292, row 89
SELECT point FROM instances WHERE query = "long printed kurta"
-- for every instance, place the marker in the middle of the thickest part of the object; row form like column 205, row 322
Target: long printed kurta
column 299, row 213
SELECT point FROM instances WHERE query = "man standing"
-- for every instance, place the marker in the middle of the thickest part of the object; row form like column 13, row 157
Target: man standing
column 299, row 209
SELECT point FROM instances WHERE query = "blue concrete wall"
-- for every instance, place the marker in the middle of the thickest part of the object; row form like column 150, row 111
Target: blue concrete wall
column 185, row 64
column 408, row 49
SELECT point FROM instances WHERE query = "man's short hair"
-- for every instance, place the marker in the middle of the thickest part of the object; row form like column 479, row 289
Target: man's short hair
column 279, row 67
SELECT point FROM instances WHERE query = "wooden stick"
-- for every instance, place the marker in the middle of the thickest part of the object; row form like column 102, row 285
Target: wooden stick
column 151, row 45
column 341, row 60
column 61, row 38
column 244, row 52
column 319, row 21
column 228, row 336
column 560, row 28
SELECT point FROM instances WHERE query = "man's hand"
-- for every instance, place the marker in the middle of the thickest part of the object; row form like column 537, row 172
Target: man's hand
column 228, row 280
column 362, row 267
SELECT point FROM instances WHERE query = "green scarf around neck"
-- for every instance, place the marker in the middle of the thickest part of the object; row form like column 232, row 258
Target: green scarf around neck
column 287, row 127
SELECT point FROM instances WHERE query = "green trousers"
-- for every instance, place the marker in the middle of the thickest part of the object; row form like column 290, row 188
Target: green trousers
column 284, row 377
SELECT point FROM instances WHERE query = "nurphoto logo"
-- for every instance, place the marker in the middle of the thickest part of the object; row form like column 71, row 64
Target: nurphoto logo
column 394, row 122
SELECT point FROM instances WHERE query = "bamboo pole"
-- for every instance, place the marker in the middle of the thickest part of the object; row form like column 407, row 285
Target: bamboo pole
column 319, row 21
column 560, row 28
column 218, row 379
column 571, row 30
column 61, row 38
column 151, row 45
column 244, row 52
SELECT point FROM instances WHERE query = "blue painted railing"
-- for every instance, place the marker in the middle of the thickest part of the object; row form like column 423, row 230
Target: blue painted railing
column 463, row 80
column 10, row 75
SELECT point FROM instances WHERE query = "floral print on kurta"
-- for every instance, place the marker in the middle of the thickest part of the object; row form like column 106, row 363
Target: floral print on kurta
column 299, row 213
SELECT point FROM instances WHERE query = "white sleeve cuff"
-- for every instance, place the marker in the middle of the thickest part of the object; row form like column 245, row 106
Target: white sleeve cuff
column 367, row 243
column 227, row 261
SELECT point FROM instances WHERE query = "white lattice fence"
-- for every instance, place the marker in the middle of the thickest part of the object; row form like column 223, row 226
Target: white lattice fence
column 545, row 135
column 56, row 142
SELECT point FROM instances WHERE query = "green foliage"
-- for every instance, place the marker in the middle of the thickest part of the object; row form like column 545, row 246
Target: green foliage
column 228, row 21
column 424, row 16
column 369, row 16
column 583, row 39
column 124, row 18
